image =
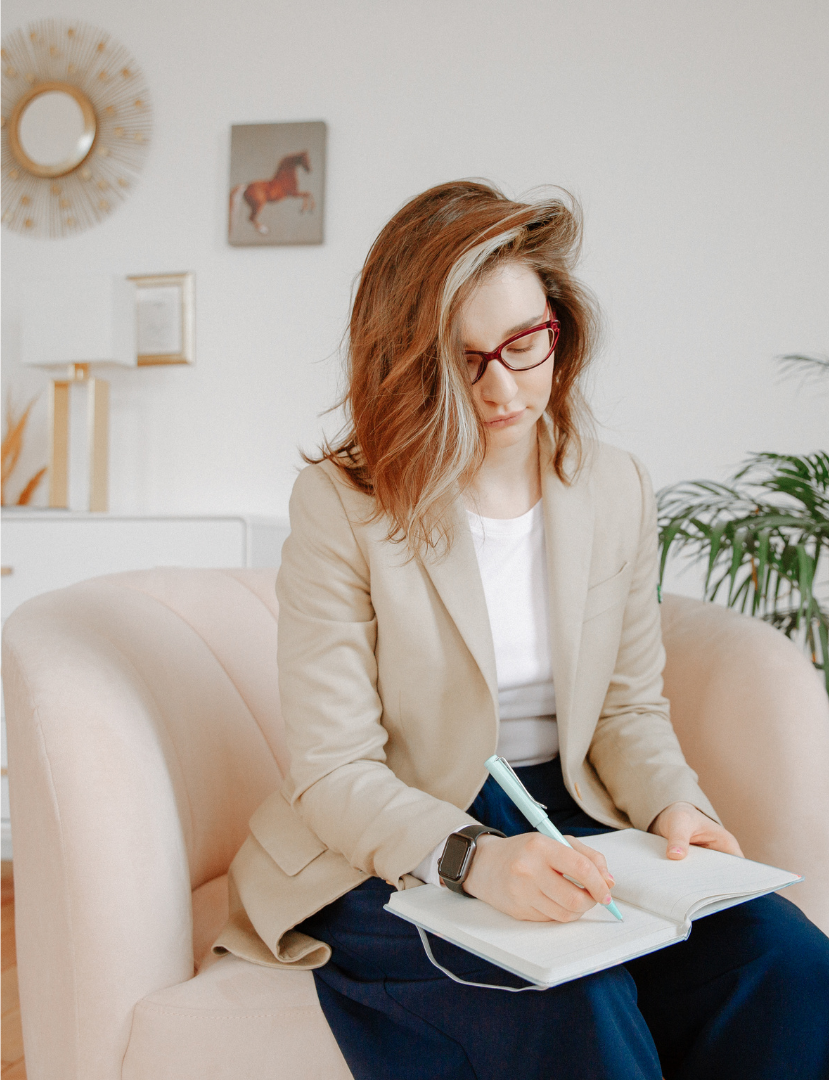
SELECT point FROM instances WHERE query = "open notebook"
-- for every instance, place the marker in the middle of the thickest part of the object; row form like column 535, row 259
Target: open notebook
column 658, row 898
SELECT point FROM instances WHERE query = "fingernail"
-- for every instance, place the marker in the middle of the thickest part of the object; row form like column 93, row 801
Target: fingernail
column 610, row 878
column 607, row 900
column 677, row 850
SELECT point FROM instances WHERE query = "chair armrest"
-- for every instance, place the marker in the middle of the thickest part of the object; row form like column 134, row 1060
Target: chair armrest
column 144, row 730
column 752, row 716
column 102, row 888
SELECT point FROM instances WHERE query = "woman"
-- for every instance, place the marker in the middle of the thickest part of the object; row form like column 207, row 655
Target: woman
column 466, row 572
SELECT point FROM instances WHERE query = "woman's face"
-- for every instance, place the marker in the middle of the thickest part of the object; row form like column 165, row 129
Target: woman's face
column 510, row 299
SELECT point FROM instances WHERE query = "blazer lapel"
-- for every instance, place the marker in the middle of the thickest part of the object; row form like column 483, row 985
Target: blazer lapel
column 457, row 579
column 568, row 525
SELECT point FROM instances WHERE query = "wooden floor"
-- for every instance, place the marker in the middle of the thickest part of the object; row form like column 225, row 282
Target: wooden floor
column 13, row 1066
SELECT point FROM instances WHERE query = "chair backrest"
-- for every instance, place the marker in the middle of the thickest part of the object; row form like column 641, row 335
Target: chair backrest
column 144, row 729
column 752, row 716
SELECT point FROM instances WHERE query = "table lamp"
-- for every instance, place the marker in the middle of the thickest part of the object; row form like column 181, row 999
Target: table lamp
column 77, row 327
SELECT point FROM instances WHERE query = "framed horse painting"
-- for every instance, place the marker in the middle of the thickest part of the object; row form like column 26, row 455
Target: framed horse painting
column 277, row 183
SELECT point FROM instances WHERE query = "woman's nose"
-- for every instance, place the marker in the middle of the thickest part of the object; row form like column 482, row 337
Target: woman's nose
column 498, row 385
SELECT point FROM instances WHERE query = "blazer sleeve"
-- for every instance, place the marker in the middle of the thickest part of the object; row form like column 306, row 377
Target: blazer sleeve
column 634, row 749
column 338, row 781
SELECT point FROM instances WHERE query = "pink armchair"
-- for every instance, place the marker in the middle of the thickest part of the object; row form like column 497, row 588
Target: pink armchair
column 144, row 729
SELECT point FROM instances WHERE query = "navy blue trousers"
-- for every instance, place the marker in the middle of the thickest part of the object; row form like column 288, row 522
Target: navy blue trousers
column 746, row 996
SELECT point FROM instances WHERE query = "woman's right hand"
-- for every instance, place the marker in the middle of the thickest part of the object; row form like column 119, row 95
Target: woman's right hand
column 522, row 875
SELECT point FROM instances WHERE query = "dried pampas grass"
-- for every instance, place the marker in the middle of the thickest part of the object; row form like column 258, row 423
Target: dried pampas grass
column 15, row 424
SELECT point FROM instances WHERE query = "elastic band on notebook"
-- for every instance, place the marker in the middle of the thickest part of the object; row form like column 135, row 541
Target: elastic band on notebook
column 463, row 982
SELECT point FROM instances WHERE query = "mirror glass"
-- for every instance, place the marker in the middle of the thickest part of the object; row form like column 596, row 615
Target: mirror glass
column 52, row 131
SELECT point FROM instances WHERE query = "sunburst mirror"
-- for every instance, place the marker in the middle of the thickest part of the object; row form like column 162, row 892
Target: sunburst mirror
column 76, row 123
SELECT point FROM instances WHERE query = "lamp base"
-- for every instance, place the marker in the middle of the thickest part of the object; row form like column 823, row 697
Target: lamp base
column 97, row 412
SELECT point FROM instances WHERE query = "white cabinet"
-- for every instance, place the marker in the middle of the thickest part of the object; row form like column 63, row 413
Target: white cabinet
column 48, row 550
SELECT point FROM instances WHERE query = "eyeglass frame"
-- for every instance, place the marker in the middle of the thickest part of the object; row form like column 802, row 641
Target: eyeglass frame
column 551, row 324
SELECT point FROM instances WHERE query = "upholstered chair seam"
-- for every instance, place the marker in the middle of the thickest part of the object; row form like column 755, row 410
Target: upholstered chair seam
column 168, row 1010
column 248, row 589
column 207, row 645
column 159, row 718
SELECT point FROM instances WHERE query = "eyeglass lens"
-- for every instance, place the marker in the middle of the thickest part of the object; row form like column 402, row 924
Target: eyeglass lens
column 529, row 349
column 526, row 351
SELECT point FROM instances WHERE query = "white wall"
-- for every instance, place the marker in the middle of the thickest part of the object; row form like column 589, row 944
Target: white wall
column 694, row 132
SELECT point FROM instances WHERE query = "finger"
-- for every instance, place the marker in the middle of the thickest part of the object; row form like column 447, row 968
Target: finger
column 680, row 830
column 595, row 857
column 710, row 835
column 719, row 840
column 546, row 911
column 580, row 868
column 560, row 914
column 732, row 846
column 538, row 873
column 545, row 895
column 567, row 909
column 567, row 895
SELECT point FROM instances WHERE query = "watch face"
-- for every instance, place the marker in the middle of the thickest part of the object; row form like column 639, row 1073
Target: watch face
column 453, row 860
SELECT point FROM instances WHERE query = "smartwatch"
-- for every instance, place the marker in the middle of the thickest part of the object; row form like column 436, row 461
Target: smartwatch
column 454, row 863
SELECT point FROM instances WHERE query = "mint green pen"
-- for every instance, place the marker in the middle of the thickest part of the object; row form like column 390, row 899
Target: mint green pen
column 502, row 773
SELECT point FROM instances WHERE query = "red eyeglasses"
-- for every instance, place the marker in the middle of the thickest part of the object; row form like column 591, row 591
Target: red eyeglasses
column 523, row 351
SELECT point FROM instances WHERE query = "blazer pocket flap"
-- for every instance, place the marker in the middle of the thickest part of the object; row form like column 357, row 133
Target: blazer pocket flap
column 284, row 835
column 608, row 593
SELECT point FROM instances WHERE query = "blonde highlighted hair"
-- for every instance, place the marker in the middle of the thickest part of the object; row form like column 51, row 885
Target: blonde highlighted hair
column 413, row 438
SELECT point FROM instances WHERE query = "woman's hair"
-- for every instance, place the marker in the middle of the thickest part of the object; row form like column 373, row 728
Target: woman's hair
column 413, row 438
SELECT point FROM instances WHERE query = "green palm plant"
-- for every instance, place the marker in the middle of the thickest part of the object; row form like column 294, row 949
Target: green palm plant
column 764, row 536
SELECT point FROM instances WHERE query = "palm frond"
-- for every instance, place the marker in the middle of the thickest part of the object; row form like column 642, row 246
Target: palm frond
column 764, row 539
column 808, row 367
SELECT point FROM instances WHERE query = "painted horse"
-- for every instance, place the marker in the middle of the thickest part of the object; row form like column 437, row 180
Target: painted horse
column 282, row 185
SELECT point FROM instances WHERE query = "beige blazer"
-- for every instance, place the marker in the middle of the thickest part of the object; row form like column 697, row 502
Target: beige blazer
column 389, row 695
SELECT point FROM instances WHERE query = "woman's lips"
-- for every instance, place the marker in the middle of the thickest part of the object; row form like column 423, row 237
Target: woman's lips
column 503, row 421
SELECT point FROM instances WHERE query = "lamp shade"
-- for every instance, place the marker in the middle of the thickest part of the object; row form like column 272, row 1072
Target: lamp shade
column 79, row 319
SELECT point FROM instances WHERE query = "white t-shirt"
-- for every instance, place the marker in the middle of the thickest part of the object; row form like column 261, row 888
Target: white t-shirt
column 513, row 564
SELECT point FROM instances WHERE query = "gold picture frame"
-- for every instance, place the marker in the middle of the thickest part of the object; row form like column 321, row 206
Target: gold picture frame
column 165, row 318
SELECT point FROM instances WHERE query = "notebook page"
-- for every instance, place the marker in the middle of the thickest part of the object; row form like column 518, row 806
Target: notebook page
column 676, row 889
column 548, row 953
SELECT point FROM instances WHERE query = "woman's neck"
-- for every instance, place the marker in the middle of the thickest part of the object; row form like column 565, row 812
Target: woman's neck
column 508, row 484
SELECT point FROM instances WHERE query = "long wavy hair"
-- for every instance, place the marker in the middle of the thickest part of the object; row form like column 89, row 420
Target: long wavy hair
column 413, row 438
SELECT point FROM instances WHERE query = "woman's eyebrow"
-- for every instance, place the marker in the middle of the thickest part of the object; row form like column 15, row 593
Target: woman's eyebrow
column 526, row 325
column 537, row 321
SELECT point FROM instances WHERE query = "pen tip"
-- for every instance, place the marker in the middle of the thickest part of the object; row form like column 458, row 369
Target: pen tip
column 611, row 907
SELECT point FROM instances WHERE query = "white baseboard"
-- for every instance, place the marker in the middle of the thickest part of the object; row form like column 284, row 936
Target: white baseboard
column 6, row 840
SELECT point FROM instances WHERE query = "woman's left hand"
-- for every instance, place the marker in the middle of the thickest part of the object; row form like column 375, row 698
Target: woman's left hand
column 682, row 824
